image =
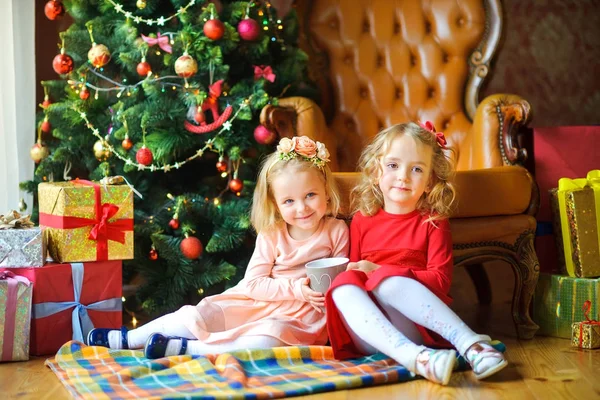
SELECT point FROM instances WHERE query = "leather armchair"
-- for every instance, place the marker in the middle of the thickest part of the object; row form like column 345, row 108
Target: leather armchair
column 383, row 62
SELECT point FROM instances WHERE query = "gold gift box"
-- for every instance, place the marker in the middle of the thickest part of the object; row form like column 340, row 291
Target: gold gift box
column 589, row 334
column 78, row 200
column 577, row 242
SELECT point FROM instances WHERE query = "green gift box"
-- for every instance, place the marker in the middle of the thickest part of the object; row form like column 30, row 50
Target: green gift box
column 558, row 302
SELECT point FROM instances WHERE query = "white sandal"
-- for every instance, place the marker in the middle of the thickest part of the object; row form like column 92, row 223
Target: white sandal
column 428, row 359
column 477, row 353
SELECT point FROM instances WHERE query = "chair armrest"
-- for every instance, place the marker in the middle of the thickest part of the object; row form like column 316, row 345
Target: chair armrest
column 499, row 120
column 299, row 116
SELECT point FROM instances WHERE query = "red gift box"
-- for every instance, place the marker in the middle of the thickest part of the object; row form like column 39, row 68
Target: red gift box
column 53, row 288
column 558, row 153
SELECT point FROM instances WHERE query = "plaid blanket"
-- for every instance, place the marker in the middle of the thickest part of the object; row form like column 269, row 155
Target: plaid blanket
column 91, row 372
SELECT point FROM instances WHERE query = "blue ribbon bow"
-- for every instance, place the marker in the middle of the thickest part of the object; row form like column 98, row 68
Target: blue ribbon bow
column 81, row 321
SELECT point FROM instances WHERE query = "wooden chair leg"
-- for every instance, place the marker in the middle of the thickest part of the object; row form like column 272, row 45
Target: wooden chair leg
column 527, row 271
column 481, row 282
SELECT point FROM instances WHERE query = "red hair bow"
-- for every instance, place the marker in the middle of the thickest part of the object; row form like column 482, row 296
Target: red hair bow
column 261, row 71
column 439, row 136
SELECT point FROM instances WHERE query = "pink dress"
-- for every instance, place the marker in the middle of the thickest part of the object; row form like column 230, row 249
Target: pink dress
column 269, row 300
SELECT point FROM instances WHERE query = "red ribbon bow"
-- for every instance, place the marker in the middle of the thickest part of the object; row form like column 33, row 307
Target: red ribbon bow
column 439, row 136
column 162, row 41
column 587, row 307
column 102, row 229
column 261, row 71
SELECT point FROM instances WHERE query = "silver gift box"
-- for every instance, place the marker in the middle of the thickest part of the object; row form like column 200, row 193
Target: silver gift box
column 21, row 248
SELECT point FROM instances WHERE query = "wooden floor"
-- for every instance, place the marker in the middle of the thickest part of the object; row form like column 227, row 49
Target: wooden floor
column 543, row 368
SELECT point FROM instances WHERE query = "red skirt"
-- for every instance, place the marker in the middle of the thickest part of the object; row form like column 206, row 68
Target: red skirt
column 340, row 339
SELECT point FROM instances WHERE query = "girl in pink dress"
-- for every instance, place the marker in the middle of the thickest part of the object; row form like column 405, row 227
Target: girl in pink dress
column 393, row 298
column 293, row 211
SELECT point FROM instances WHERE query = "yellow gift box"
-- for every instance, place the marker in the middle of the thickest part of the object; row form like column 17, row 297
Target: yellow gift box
column 578, row 216
column 83, row 221
column 586, row 334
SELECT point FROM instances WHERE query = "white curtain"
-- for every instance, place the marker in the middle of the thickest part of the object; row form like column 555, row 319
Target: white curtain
column 17, row 100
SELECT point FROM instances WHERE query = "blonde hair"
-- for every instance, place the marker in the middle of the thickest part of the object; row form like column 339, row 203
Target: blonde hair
column 265, row 213
column 367, row 196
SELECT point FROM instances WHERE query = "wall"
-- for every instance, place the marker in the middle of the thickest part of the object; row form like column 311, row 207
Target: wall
column 550, row 55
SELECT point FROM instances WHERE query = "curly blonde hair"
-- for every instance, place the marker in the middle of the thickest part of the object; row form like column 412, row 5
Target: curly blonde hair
column 367, row 196
column 265, row 213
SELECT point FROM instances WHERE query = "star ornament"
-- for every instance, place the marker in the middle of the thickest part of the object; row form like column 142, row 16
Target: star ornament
column 227, row 125
column 160, row 21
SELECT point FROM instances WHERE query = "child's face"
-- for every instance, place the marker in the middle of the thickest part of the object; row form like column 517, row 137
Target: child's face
column 406, row 174
column 302, row 201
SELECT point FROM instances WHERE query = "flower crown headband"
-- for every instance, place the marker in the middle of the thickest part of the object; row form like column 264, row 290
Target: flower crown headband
column 305, row 148
column 439, row 136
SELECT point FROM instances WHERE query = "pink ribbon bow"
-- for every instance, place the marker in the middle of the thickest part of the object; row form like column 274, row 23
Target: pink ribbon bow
column 162, row 41
column 261, row 71
column 439, row 136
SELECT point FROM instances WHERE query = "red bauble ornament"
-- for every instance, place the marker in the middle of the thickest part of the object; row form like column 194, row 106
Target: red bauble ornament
column 46, row 126
column 84, row 94
column 174, row 223
column 236, row 185
column 99, row 55
column 54, row 9
column 191, row 247
column 144, row 156
column 143, row 68
column 153, row 255
column 264, row 136
column 248, row 29
column 46, row 101
column 62, row 63
column 126, row 144
column 214, row 29
column 186, row 66
column 221, row 166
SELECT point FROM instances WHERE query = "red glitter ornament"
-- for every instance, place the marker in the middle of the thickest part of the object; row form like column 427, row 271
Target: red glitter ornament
column 144, row 156
column 174, row 223
column 46, row 126
column 153, row 254
column 54, row 9
column 143, row 68
column 214, row 29
column 191, row 247
column 236, row 185
column 84, row 94
column 62, row 63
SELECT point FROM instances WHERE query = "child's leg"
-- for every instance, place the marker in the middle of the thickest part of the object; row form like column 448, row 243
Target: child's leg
column 172, row 346
column 401, row 293
column 372, row 330
column 168, row 324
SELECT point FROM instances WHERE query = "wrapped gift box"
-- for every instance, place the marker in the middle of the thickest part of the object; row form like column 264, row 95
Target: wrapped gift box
column 576, row 212
column 21, row 247
column 71, row 299
column 586, row 335
column 15, row 316
column 558, row 302
column 557, row 153
column 83, row 221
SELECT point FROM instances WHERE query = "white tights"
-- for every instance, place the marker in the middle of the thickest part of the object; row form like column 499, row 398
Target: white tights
column 171, row 325
column 406, row 302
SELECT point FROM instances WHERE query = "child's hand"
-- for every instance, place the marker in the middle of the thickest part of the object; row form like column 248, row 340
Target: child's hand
column 363, row 265
column 316, row 299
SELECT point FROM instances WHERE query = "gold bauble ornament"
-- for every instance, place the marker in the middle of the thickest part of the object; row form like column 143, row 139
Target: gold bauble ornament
column 186, row 66
column 141, row 4
column 38, row 152
column 99, row 55
column 101, row 151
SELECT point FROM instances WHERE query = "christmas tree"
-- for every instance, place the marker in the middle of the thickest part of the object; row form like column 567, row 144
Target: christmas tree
column 168, row 95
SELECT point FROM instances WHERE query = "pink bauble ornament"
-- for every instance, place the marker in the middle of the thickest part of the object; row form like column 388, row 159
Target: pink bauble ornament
column 186, row 66
column 264, row 136
column 248, row 29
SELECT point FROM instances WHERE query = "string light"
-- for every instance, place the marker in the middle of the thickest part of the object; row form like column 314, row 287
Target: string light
column 167, row 167
column 160, row 21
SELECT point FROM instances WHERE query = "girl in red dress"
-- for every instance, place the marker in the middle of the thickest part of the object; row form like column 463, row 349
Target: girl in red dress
column 393, row 298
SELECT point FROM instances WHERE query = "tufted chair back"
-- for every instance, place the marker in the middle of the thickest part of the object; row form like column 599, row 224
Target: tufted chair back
column 381, row 62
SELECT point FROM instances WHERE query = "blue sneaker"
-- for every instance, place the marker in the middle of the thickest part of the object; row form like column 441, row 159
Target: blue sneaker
column 99, row 337
column 156, row 345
